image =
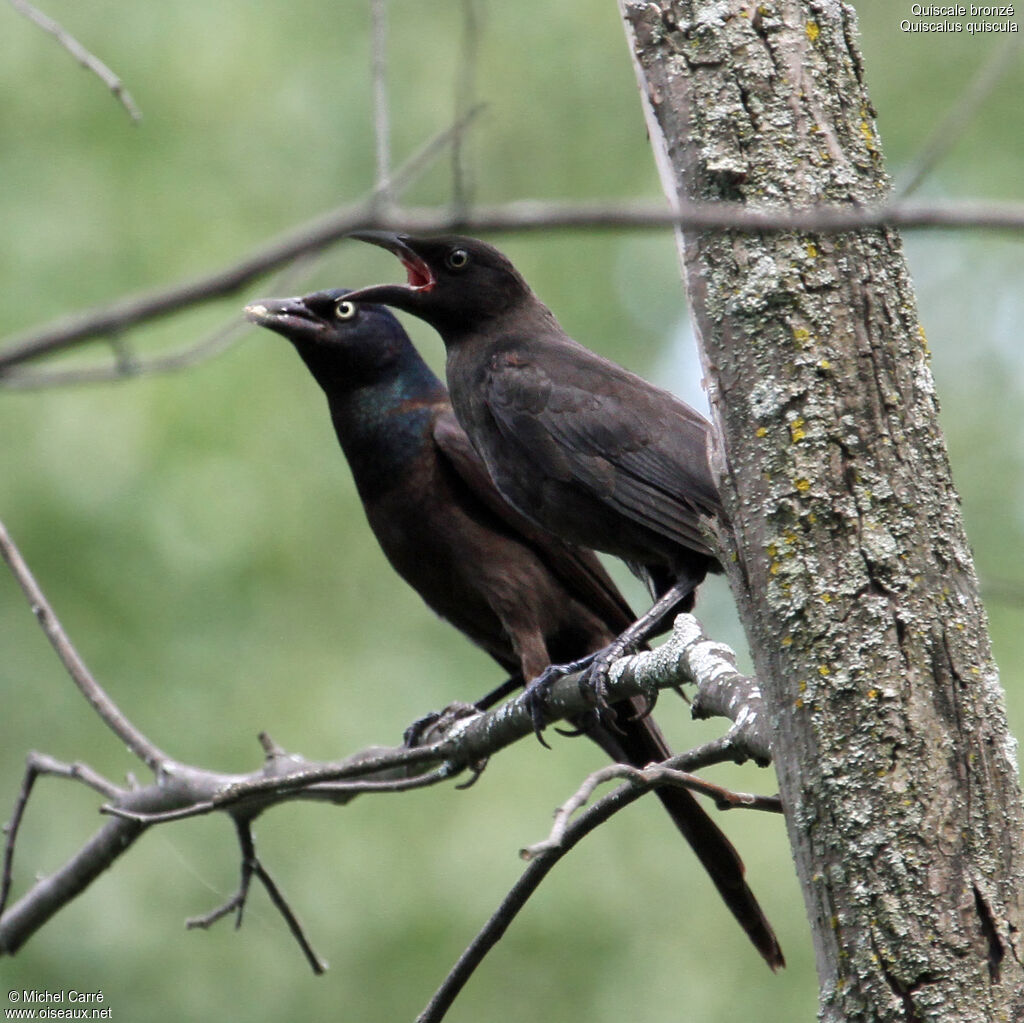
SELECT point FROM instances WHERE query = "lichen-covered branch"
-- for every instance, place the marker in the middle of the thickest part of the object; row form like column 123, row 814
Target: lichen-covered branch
column 845, row 547
column 462, row 737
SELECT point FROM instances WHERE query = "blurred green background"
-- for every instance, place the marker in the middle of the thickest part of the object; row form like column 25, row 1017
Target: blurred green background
column 201, row 539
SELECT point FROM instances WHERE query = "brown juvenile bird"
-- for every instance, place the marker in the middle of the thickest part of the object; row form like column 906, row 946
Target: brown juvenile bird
column 521, row 594
column 581, row 446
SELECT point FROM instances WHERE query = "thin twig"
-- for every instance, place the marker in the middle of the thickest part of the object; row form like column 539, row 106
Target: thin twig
column 127, row 366
column 149, row 305
column 381, row 107
column 465, row 93
column 524, row 216
column 647, row 778
column 88, row 60
column 283, row 785
column 317, row 965
column 252, row 867
column 959, row 117
column 539, row 868
column 147, row 751
column 129, row 369
column 517, row 897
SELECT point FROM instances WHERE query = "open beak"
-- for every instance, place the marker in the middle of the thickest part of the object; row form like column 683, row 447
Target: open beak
column 420, row 276
column 281, row 314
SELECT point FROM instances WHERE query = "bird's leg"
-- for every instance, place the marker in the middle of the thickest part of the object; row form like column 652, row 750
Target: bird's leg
column 539, row 690
column 595, row 666
column 595, row 680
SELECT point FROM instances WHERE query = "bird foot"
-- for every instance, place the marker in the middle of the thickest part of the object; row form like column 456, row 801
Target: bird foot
column 413, row 735
column 538, row 692
column 436, row 724
column 593, row 684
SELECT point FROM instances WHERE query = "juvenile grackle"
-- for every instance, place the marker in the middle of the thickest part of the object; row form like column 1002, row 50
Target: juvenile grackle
column 581, row 446
column 521, row 594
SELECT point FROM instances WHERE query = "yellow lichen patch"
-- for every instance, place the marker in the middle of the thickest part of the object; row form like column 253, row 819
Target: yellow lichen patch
column 813, row 31
column 872, row 694
column 803, row 485
column 825, row 365
column 761, row 431
column 801, row 335
column 812, row 250
column 868, row 134
column 787, row 640
column 799, row 704
column 797, row 431
column 824, row 670
column 826, row 598
column 802, row 686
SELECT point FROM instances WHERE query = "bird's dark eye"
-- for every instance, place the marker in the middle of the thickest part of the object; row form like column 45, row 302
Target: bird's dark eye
column 345, row 310
column 457, row 259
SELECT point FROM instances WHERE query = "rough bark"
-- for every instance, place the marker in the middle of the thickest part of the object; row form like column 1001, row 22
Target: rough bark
column 846, row 547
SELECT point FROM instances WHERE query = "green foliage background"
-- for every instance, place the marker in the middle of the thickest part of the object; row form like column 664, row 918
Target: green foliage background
column 201, row 539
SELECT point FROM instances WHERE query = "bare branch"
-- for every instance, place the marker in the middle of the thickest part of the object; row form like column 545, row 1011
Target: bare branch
column 541, row 865
column 523, row 216
column 128, row 367
column 461, row 737
column 81, row 54
column 651, row 777
column 381, row 108
column 251, row 866
column 39, row 764
column 150, row 754
column 465, row 93
column 688, row 655
column 128, row 312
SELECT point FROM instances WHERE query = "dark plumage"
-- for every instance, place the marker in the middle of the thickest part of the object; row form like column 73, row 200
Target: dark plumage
column 524, row 596
column 581, row 446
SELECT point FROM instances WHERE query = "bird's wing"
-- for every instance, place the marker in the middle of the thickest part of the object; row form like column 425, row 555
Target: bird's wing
column 583, row 419
column 578, row 569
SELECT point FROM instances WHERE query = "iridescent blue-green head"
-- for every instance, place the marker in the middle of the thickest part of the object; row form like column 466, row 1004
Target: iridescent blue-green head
column 346, row 345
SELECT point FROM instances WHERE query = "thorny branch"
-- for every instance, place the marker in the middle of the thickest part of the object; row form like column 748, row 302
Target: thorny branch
column 522, row 216
column 88, row 60
column 462, row 737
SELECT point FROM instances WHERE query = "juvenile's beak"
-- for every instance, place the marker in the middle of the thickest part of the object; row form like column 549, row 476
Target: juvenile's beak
column 420, row 276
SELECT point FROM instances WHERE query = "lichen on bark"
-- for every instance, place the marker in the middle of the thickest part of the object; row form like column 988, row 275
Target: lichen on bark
column 845, row 548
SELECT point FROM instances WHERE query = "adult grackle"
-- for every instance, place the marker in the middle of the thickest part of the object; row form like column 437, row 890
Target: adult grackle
column 520, row 593
column 581, row 446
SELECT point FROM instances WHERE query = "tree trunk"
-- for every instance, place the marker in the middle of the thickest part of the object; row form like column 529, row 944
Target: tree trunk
column 849, row 561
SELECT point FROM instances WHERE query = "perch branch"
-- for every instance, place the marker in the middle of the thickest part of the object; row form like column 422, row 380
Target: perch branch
column 459, row 738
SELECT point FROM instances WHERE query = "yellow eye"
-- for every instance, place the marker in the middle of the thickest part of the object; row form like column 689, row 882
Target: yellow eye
column 457, row 259
column 345, row 310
